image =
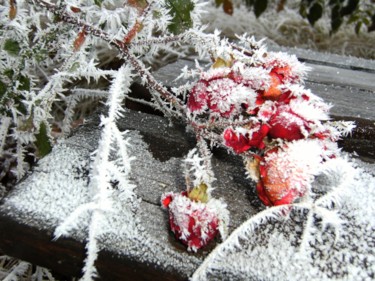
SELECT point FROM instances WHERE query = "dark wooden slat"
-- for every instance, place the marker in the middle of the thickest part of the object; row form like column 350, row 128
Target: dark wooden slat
column 65, row 256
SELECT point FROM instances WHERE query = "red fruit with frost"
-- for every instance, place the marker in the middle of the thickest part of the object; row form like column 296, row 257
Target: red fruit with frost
column 275, row 186
column 277, row 76
column 243, row 141
column 286, row 124
column 286, row 173
column 221, row 92
column 238, row 142
column 197, row 101
column 195, row 224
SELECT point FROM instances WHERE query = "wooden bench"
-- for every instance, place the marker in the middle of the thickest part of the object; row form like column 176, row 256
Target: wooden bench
column 32, row 211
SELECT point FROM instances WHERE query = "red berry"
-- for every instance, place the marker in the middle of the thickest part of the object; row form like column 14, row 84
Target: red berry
column 287, row 125
column 195, row 224
column 246, row 138
column 285, row 173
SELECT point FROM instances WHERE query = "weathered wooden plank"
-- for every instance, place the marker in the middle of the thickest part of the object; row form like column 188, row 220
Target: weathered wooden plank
column 27, row 229
column 321, row 58
column 30, row 208
column 335, row 76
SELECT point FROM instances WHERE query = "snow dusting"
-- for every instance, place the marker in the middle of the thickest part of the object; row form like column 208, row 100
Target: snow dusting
column 273, row 248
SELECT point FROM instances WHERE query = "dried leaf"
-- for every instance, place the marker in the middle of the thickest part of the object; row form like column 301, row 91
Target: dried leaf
column 199, row 193
column 228, row 7
column 219, row 62
column 75, row 9
column 12, row 9
column 140, row 5
column 81, row 37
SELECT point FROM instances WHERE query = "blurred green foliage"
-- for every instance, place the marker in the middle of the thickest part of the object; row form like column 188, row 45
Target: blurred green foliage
column 358, row 13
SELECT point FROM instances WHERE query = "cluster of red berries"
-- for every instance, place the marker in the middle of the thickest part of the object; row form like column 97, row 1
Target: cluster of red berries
column 277, row 125
column 274, row 111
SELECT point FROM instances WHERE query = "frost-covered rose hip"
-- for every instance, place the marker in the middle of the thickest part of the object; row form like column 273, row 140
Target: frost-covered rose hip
column 286, row 173
column 226, row 91
column 287, row 125
column 194, row 223
column 242, row 139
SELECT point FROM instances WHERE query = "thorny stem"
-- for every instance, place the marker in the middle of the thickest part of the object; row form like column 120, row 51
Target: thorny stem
column 243, row 50
column 219, row 124
column 124, row 48
column 206, row 153
column 156, row 41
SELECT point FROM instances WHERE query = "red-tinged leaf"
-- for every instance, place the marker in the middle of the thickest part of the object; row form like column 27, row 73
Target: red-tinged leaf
column 166, row 201
column 280, row 5
column 81, row 37
column 228, row 7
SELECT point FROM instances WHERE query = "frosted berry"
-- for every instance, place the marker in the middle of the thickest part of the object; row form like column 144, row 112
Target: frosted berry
column 287, row 172
column 193, row 223
column 244, row 139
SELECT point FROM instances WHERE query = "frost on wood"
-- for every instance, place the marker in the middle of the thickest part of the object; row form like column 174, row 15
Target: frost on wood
column 329, row 238
column 60, row 195
column 250, row 102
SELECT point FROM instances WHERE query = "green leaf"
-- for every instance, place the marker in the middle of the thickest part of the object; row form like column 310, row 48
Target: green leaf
column 303, row 9
column 259, row 7
column 3, row 89
column 366, row 21
column 358, row 27
column 334, row 2
column 353, row 18
column 336, row 19
column 350, row 8
column 12, row 47
column 98, row 2
column 249, row 3
column 218, row 2
column 315, row 13
column 42, row 142
column 24, row 83
column 371, row 27
column 9, row 73
column 74, row 66
column 180, row 13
